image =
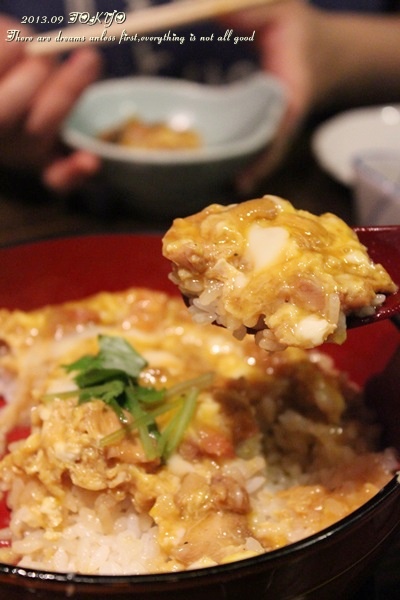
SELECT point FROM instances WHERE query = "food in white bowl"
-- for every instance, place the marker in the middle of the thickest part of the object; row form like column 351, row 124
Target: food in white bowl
column 236, row 122
column 136, row 133
column 159, row 445
column 289, row 276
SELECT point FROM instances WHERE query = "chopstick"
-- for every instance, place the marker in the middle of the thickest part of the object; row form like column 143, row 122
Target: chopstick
column 139, row 22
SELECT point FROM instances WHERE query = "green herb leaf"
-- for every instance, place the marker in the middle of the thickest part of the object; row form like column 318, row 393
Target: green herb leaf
column 116, row 356
column 112, row 376
column 107, row 392
column 148, row 396
column 148, row 430
column 173, row 433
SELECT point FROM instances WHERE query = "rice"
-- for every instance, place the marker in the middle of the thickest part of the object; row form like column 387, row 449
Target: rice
column 280, row 446
column 289, row 501
column 89, row 545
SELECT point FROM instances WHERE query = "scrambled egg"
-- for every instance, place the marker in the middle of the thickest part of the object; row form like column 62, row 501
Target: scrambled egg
column 136, row 133
column 228, row 492
column 264, row 266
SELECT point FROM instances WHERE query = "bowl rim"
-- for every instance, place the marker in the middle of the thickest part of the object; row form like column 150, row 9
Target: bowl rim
column 335, row 130
column 258, row 138
column 205, row 574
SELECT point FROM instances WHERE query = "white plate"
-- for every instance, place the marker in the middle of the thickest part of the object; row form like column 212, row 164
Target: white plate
column 339, row 140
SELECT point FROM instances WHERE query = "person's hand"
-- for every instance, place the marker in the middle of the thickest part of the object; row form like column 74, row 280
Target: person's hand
column 289, row 40
column 325, row 60
column 36, row 94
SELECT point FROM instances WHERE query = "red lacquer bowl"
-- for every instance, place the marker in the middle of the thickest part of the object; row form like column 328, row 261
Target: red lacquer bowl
column 329, row 565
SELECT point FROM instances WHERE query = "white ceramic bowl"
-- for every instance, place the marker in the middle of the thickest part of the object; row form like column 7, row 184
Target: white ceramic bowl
column 236, row 122
column 340, row 139
column 377, row 188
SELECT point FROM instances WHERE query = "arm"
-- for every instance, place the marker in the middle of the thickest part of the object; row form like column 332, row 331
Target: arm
column 36, row 94
column 367, row 64
column 326, row 60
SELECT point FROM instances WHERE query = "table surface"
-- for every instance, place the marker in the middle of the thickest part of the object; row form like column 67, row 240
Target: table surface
column 28, row 213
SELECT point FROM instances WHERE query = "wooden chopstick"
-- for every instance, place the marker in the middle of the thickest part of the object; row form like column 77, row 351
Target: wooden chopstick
column 139, row 22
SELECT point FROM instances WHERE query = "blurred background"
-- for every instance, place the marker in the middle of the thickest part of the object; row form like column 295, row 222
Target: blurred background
column 336, row 64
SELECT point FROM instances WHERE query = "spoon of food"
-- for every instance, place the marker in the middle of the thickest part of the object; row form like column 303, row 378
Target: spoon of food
column 287, row 276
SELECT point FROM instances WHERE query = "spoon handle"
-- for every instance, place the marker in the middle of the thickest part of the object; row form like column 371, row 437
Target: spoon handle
column 396, row 320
